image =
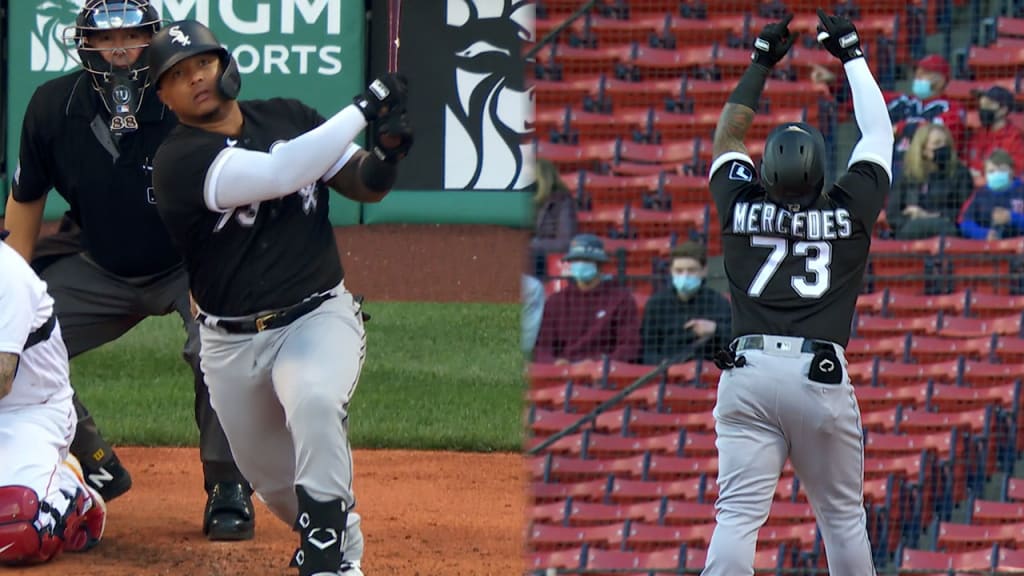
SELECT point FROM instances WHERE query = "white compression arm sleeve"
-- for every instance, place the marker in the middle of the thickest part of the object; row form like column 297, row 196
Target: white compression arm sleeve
column 238, row 177
column 876, row 139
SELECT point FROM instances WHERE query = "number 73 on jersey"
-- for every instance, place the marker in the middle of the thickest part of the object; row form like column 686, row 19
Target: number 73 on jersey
column 817, row 257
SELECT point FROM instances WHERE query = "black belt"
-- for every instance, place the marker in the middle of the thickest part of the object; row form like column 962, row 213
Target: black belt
column 269, row 321
column 41, row 333
column 809, row 345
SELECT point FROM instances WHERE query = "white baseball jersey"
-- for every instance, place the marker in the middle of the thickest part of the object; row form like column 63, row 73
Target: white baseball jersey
column 42, row 375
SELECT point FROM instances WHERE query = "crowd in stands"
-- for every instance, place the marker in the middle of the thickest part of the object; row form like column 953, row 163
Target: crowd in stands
column 952, row 177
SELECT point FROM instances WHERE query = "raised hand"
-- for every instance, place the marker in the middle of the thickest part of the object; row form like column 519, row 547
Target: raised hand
column 773, row 43
column 839, row 36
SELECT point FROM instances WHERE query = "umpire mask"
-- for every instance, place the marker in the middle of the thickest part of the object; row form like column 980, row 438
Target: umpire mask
column 106, row 34
column 793, row 166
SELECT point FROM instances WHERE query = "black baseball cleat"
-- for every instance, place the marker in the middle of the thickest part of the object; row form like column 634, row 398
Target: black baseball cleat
column 229, row 513
column 110, row 479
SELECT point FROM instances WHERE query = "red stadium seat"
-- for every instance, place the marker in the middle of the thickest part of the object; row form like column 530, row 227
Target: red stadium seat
column 953, row 537
column 1009, row 349
column 872, row 303
column 592, row 491
column 652, row 63
column 1010, row 558
column 569, row 558
column 802, row 535
column 869, row 326
column 880, row 420
column 573, row 157
column 548, row 513
column 627, row 94
column 553, row 537
column 561, row 93
column 679, row 399
column 902, row 304
column 667, row 559
column 643, row 536
column 992, row 305
column 993, row 62
column 580, row 513
column 927, row 560
column 679, row 512
column 603, row 222
column 698, row 444
column 764, row 559
column 570, row 469
column 950, row 398
column 693, row 489
column 925, row 349
column 1014, row 490
column 874, row 399
column 960, row 327
column 865, row 349
column 994, row 512
column 664, row 467
column 575, row 63
column 783, row 513
column 646, row 223
column 902, row 264
column 882, row 445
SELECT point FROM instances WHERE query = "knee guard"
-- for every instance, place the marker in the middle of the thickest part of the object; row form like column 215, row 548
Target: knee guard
column 21, row 543
column 321, row 528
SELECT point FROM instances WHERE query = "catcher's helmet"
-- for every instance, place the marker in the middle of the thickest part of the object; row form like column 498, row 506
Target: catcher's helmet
column 100, row 15
column 793, row 165
column 184, row 39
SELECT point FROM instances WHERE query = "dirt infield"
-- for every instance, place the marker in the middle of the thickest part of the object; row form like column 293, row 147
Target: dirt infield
column 424, row 513
column 426, row 263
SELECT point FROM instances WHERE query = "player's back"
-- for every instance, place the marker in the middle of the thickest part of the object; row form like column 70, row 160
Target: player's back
column 795, row 272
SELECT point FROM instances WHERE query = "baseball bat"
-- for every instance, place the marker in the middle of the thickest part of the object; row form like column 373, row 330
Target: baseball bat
column 394, row 38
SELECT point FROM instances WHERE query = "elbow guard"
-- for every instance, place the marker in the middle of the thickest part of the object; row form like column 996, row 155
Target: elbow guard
column 376, row 174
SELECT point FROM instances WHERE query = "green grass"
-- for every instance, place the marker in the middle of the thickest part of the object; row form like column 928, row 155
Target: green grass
column 437, row 376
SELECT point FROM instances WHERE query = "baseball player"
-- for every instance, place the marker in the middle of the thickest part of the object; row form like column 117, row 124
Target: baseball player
column 45, row 505
column 243, row 188
column 91, row 135
column 795, row 255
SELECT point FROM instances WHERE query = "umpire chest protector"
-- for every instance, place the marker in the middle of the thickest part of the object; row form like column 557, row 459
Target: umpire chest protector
column 66, row 145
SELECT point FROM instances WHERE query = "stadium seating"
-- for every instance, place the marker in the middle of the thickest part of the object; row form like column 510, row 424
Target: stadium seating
column 627, row 101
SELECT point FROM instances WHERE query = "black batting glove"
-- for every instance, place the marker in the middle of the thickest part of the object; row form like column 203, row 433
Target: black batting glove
column 393, row 136
column 839, row 36
column 773, row 43
column 388, row 92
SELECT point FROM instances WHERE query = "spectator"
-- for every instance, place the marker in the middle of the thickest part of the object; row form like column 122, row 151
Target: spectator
column 590, row 317
column 556, row 222
column 931, row 189
column 994, row 107
column 926, row 104
column 688, row 310
column 533, row 311
column 996, row 210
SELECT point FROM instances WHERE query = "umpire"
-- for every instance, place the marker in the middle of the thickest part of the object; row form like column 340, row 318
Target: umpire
column 91, row 135
column 795, row 254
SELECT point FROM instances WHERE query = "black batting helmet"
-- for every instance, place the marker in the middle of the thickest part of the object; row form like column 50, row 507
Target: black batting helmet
column 184, row 39
column 793, row 165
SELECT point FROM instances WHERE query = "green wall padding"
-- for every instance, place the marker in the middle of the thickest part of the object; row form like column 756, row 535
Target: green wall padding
column 344, row 212
column 501, row 208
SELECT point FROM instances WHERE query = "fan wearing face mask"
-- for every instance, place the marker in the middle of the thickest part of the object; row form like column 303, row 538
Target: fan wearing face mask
column 685, row 311
column 590, row 318
column 996, row 210
column 931, row 189
column 996, row 131
column 926, row 103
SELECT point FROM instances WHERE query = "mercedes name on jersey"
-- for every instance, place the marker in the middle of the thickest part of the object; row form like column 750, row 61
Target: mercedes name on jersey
column 813, row 224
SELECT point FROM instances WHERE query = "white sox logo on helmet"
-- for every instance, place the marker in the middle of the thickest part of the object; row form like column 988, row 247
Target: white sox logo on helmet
column 179, row 37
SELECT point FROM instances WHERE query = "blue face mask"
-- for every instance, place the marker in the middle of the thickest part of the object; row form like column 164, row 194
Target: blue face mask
column 583, row 271
column 686, row 283
column 921, row 88
column 999, row 180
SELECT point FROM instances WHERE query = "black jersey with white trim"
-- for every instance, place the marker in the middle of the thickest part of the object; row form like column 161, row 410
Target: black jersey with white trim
column 254, row 258
column 795, row 273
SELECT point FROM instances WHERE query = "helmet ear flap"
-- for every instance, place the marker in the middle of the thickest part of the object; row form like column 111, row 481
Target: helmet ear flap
column 230, row 82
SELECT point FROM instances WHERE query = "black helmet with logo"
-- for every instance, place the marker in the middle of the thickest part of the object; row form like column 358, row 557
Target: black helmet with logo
column 186, row 38
column 793, row 165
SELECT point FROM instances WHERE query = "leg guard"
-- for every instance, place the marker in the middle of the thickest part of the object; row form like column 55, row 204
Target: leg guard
column 21, row 543
column 321, row 528
column 85, row 525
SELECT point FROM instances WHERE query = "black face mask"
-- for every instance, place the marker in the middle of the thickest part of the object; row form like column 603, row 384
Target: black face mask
column 987, row 117
column 941, row 157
